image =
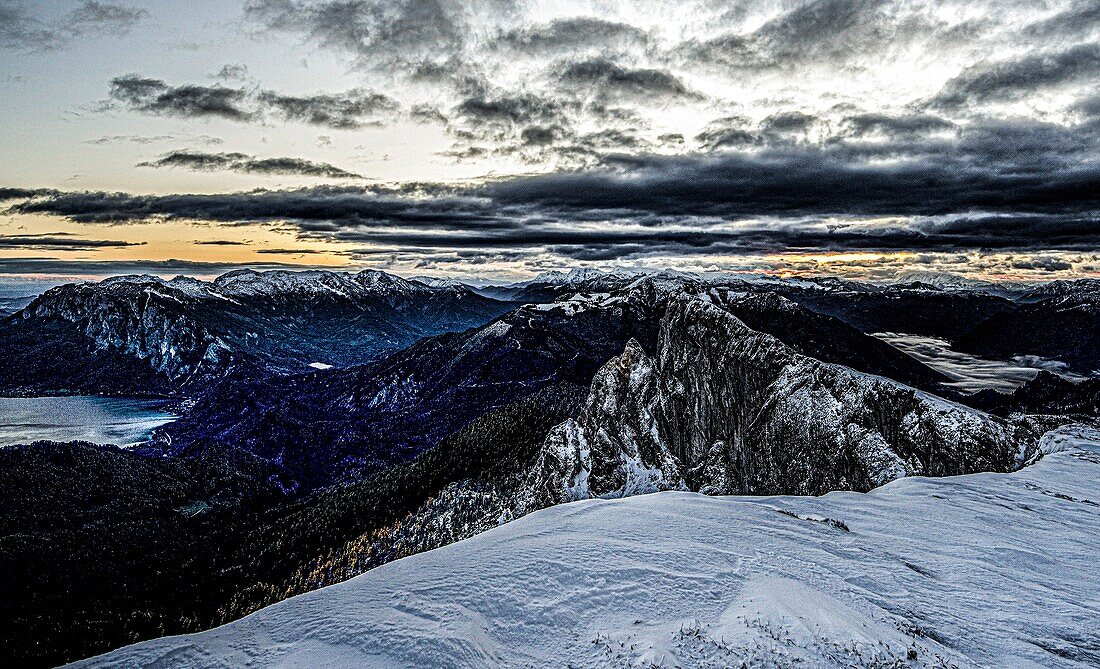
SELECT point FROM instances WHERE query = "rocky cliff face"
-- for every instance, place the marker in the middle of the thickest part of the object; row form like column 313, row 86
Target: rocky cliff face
column 146, row 320
column 724, row 409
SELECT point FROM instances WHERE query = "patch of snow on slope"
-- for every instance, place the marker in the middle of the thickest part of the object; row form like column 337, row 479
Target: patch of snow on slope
column 985, row 570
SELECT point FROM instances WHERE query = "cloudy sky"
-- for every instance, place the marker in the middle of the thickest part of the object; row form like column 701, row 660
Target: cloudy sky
column 865, row 138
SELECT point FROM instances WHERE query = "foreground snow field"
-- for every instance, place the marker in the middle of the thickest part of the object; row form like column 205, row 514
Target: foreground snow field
column 988, row 570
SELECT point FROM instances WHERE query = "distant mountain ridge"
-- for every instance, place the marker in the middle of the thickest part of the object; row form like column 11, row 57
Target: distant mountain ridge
column 161, row 336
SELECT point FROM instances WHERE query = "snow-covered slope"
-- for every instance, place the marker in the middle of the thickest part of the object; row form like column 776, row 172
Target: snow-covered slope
column 986, row 570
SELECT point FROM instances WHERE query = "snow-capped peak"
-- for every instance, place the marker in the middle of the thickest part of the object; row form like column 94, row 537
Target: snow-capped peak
column 942, row 280
column 438, row 282
column 247, row 282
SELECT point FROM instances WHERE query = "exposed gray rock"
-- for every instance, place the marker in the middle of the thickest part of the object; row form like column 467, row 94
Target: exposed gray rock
column 724, row 409
column 142, row 317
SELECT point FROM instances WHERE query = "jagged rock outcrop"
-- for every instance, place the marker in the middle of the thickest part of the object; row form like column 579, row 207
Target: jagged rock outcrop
column 725, row 409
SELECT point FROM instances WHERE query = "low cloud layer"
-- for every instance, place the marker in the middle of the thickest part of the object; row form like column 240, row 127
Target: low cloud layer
column 970, row 373
column 241, row 162
column 103, row 268
column 977, row 193
column 59, row 241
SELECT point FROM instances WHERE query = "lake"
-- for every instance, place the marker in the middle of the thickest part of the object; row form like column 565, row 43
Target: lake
column 102, row 420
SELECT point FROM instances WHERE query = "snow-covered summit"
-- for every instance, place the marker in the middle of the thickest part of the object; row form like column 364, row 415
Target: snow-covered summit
column 438, row 282
column 282, row 282
column 273, row 283
column 185, row 284
column 987, row 570
column 248, row 282
column 1087, row 290
column 573, row 276
column 943, row 280
column 132, row 278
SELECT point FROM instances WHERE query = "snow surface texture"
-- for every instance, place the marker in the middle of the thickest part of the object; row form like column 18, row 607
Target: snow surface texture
column 985, row 570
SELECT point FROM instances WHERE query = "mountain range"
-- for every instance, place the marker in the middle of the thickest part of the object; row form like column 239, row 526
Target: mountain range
column 146, row 335
column 331, row 423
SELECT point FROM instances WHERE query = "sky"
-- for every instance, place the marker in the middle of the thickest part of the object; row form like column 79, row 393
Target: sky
column 498, row 138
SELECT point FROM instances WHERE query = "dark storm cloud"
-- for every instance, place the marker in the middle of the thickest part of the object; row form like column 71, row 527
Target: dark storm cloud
column 347, row 110
column 788, row 122
column 222, row 242
column 816, row 31
column 602, row 75
column 372, row 31
column 323, row 206
column 424, row 113
column 24, row 193
column 20, row 28
column 341, row 111
column 895, row 124
column 1080, row 18
column 104, row 268
column 154, row 96
column 819, row 26
column 241, row 162
column 541, row 135
column 1042, row 264
column 510, row 122
column 1089, row 108
column 521, row 108
column 60, row 242
column 976, row 174
column 1005, row 186
column 288, row 251
column 728, row 132
column 614, row 139
column 573, row 33
column 1012, row 79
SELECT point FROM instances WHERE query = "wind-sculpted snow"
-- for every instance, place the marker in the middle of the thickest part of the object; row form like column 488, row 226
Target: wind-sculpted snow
column 986, row 570
column 724, row 409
